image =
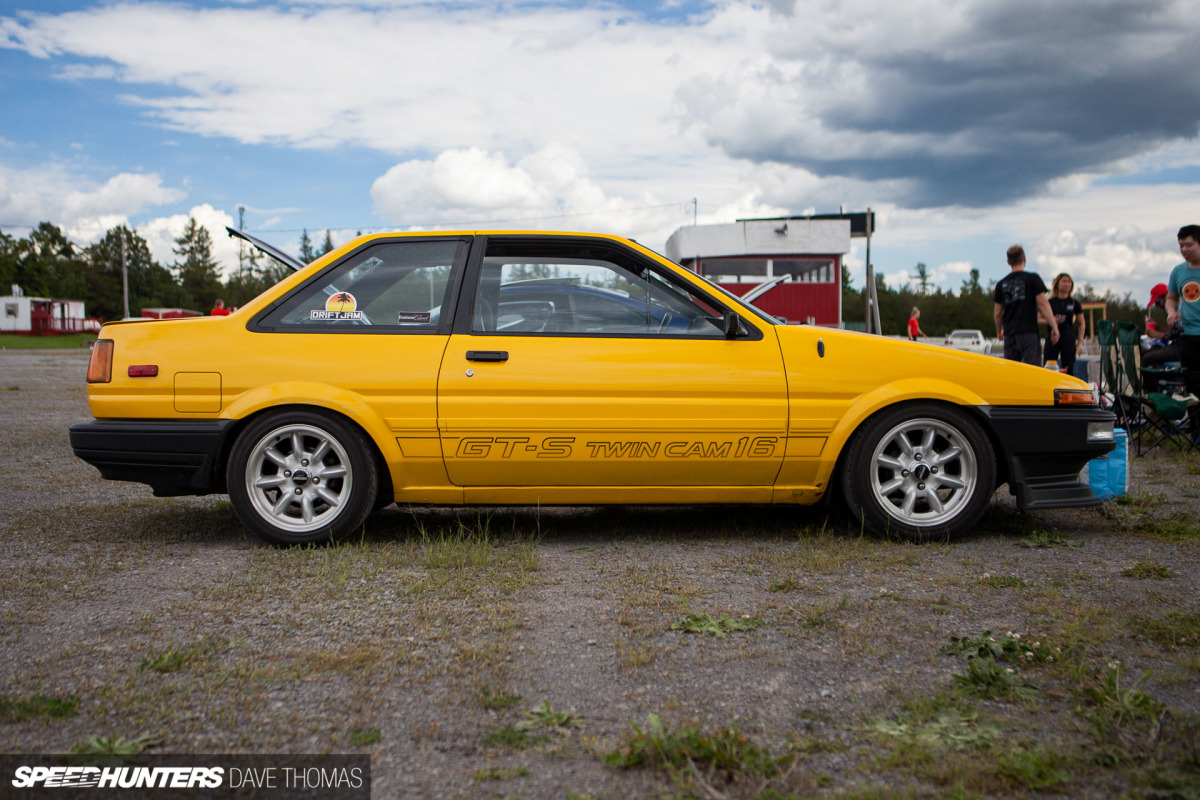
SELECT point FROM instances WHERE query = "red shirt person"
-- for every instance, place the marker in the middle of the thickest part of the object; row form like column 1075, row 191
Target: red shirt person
column 219, row 309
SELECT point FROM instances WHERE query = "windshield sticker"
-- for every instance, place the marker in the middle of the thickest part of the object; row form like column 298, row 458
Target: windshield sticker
column 338, row 306
column 413, row 318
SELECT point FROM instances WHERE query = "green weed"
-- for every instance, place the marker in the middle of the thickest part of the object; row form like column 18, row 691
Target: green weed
column 727, row 753
column 985, row 678
column 362, row 738
column 500, row 773
column 1035, row 769
column 1176, row 630
column 1010, row 646
column 718, row 626
column 1146, row 569
column 497, row 702
column 1002, row 581
column 117, row 745
column 37, row 705
column 1045, row 539
column 511, row 736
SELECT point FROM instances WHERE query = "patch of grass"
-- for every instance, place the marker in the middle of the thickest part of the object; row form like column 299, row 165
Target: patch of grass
column 786, row 585
column 37, row 705
column 1010, row 646
column 1124, row 721
column 173, row 660
column 1148, row 569
column 117, row 745
column 1142, row 499
column 500, row 773
column 544, row 716
column 1002, row 581
column 362, row 738
column 1040, row 539
column 497, row 702
column 1032, row 769
column 949, row 730
column 633, row 655
column 514, row 738
column 1177, row 629
column 727, row 755
column 987, row 679
column 718, row 626
column 70, row 341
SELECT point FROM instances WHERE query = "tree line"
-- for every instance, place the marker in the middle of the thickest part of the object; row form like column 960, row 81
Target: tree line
column 971, row 307
column 48, row 264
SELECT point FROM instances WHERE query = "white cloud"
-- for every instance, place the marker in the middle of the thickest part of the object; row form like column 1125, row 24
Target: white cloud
column 550, row 188
column 68, row 199
column 160, row 235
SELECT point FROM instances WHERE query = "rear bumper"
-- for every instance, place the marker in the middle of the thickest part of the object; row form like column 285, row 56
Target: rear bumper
column 174, row 457
column 1044, row 449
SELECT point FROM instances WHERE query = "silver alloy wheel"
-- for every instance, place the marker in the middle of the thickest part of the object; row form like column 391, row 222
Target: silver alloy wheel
column 923, row 472
column 298, row 478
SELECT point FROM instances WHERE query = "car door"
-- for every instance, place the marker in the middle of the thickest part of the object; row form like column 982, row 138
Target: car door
column 586, row 364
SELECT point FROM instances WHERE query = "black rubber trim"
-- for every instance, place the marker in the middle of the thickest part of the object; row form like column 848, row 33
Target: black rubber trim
column 173, row 456
column 1045, row 447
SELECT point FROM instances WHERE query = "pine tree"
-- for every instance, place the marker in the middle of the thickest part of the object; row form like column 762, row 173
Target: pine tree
column 307, row 254
column 327, row 245
column 199, row 274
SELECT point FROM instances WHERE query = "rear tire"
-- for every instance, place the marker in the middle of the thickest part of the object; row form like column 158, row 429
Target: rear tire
column 922, row 470
column 300, row 476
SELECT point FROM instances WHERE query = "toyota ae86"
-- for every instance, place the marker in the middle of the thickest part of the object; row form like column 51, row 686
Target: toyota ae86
column 520, row 368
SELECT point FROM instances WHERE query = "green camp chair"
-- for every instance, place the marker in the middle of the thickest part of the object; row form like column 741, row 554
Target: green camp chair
column 1158, row 417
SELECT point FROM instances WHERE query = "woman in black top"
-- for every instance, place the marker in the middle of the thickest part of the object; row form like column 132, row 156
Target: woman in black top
column 1068, row 313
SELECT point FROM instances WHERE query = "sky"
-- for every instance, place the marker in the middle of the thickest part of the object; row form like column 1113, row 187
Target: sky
column 1072, row 126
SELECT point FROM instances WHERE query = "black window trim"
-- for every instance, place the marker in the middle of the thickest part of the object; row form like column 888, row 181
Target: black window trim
column 465, row 308
column 445, row 321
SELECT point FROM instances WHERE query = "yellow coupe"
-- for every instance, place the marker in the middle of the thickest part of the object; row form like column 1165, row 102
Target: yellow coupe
column 563, row 369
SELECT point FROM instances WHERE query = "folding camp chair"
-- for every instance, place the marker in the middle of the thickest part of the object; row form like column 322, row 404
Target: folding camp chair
column 1114, row 383
column 1158, row 417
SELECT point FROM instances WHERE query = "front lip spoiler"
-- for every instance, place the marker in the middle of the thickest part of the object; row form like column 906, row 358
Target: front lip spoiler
column 1045, row 448
column 175, row 457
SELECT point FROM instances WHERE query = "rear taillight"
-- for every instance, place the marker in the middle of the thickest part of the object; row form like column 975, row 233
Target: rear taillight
column 100, row 365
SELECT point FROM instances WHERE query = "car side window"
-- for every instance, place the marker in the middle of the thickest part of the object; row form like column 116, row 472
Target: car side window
column 584, row 294
column 391, row 286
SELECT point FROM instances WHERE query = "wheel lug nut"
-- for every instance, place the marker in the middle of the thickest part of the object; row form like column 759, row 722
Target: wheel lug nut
column 287, row 473
column 304, row 462
column 921, row 486
column 933, row 470
column 299, row 490
column 903, row 473
column 918, row 456
column 316, row 480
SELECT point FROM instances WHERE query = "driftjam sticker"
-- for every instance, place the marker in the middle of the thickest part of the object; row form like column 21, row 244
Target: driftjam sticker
column 413, row 318
column 338, row 306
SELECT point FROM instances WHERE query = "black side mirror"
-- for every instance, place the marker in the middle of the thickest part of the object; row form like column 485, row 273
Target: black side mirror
column 731, row 324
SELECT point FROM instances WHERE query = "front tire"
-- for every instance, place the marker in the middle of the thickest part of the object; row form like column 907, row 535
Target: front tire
column 298, row 476
column 924, row 471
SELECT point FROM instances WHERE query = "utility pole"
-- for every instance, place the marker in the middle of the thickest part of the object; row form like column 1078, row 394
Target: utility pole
column 241, row 242
column 695, row 210
column 124, row 273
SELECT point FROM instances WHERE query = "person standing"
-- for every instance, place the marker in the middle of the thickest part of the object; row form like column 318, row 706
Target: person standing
column 1020, row 299
column 219, row 309
column 1183, row 302
column 1068, row 315
column 914, row 328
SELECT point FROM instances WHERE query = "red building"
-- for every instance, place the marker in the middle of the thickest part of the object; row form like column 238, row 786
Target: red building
column 801, row 256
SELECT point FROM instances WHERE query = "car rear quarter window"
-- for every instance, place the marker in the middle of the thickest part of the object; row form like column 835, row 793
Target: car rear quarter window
column 386, row 287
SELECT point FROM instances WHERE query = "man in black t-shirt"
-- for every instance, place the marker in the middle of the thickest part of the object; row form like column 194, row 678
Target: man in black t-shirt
column 1020, row 299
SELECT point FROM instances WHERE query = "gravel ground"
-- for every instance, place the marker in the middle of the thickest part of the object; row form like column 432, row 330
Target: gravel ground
column 505, row 653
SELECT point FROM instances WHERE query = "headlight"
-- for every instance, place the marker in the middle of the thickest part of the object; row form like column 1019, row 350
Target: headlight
column 1099, row 432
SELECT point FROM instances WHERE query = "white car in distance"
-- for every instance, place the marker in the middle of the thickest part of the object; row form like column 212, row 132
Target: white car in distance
column 970, row 340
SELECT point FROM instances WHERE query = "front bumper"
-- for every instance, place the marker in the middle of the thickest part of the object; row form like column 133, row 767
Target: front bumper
column 174, row 457
column 1044, row 449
